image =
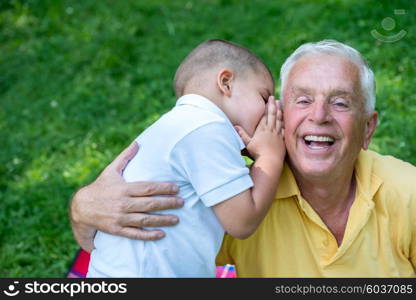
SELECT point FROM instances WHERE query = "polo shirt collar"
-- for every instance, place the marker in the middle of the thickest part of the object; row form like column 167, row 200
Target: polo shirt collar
column 367, row 186
column 287, row 186
column 368, row 182
column 206, row 104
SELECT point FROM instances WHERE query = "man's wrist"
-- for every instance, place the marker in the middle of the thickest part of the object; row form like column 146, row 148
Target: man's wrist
column 76, row 210
column 84, row 235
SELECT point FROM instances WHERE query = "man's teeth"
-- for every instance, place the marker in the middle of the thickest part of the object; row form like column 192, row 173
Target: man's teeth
column 315, row 138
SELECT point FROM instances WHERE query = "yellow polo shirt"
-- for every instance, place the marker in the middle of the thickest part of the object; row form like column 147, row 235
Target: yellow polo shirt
column 379, row 240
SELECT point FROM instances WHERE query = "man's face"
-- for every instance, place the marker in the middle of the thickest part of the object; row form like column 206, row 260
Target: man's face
column 324, row 113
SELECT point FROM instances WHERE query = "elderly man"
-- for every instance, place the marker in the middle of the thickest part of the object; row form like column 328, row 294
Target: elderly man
column 340, row 210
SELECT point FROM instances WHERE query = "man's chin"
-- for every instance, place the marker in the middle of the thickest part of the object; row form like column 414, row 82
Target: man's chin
column 314, row 169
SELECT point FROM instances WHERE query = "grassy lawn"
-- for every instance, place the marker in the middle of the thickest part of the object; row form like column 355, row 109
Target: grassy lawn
column 80, row 79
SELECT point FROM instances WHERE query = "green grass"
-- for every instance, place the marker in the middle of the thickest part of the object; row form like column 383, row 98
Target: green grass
column 80, row 79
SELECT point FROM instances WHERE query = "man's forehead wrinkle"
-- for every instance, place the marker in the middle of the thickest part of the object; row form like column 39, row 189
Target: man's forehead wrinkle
column 309, row 65
column 326, row 89
column 342, row 92
column 302, row 90
column 309, row 77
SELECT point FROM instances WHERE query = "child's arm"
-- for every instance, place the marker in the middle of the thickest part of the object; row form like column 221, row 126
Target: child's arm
column 242, row 214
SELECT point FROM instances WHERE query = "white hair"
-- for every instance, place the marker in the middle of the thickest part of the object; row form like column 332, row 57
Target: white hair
column 332, row 47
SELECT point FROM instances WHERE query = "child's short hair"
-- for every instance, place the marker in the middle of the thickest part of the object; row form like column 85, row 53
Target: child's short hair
column 213, row 53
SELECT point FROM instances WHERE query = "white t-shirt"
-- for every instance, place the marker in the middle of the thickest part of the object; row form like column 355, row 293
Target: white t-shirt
column 196, row 147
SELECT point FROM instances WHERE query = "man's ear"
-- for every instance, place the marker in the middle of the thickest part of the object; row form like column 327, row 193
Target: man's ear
column 225, row 78
column 370, row 127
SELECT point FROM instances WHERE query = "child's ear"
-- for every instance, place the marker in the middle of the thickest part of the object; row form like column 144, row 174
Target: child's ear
column 225, row 79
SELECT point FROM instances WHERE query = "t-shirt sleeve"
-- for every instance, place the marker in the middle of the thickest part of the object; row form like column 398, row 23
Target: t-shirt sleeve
column 209, row 158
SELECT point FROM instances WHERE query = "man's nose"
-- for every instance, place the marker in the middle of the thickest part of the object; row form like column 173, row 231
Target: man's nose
column 320, row 112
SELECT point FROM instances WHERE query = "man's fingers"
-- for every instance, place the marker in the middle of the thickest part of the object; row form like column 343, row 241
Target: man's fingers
column 147, row 220
column 140, row 188
column 150, row 204
column 243, row 134
column 141, row 234
column 120, row 162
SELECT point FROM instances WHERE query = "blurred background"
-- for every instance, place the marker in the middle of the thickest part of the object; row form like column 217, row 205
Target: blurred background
column 79, row 80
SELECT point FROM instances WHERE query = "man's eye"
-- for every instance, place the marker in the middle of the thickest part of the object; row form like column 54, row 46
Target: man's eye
column 340, row 103
column 302, row 100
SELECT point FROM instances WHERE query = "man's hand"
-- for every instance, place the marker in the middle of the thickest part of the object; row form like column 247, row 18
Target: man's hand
column 111, row 205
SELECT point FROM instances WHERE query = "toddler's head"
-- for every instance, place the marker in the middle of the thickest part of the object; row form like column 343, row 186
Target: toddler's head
column 231, row 76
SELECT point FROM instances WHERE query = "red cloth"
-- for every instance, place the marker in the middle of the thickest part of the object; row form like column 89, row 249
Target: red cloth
column 79, row 267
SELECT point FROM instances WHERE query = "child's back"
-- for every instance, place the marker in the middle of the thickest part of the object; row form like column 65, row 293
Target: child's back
column 169, row 150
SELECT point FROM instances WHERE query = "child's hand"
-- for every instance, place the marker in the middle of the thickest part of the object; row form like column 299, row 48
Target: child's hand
column 267, row 140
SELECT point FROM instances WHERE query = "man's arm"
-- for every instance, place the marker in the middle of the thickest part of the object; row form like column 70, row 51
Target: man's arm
column 111, row 205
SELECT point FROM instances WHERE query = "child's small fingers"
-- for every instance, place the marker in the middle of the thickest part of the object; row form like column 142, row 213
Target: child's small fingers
column 279, row 125
column 271, row 112
column 279, row 114
column 279, row 105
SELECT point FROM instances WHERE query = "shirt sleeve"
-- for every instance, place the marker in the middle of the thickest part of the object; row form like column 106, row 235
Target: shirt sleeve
column 209, row 158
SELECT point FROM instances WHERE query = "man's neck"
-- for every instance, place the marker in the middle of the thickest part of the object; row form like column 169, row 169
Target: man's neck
column 331, row 198
column 327, row 194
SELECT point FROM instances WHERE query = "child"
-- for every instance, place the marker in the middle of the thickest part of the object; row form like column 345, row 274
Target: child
column 219, row 85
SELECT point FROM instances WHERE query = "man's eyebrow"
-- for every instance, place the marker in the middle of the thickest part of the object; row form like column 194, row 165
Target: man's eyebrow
column 339, row 92
column 301, row 90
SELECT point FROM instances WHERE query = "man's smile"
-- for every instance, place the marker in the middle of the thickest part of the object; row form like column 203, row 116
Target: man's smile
column 318, row 142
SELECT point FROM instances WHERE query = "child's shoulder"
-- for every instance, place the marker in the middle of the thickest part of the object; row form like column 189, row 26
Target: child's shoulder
column 188, row 118
column 181, row 121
